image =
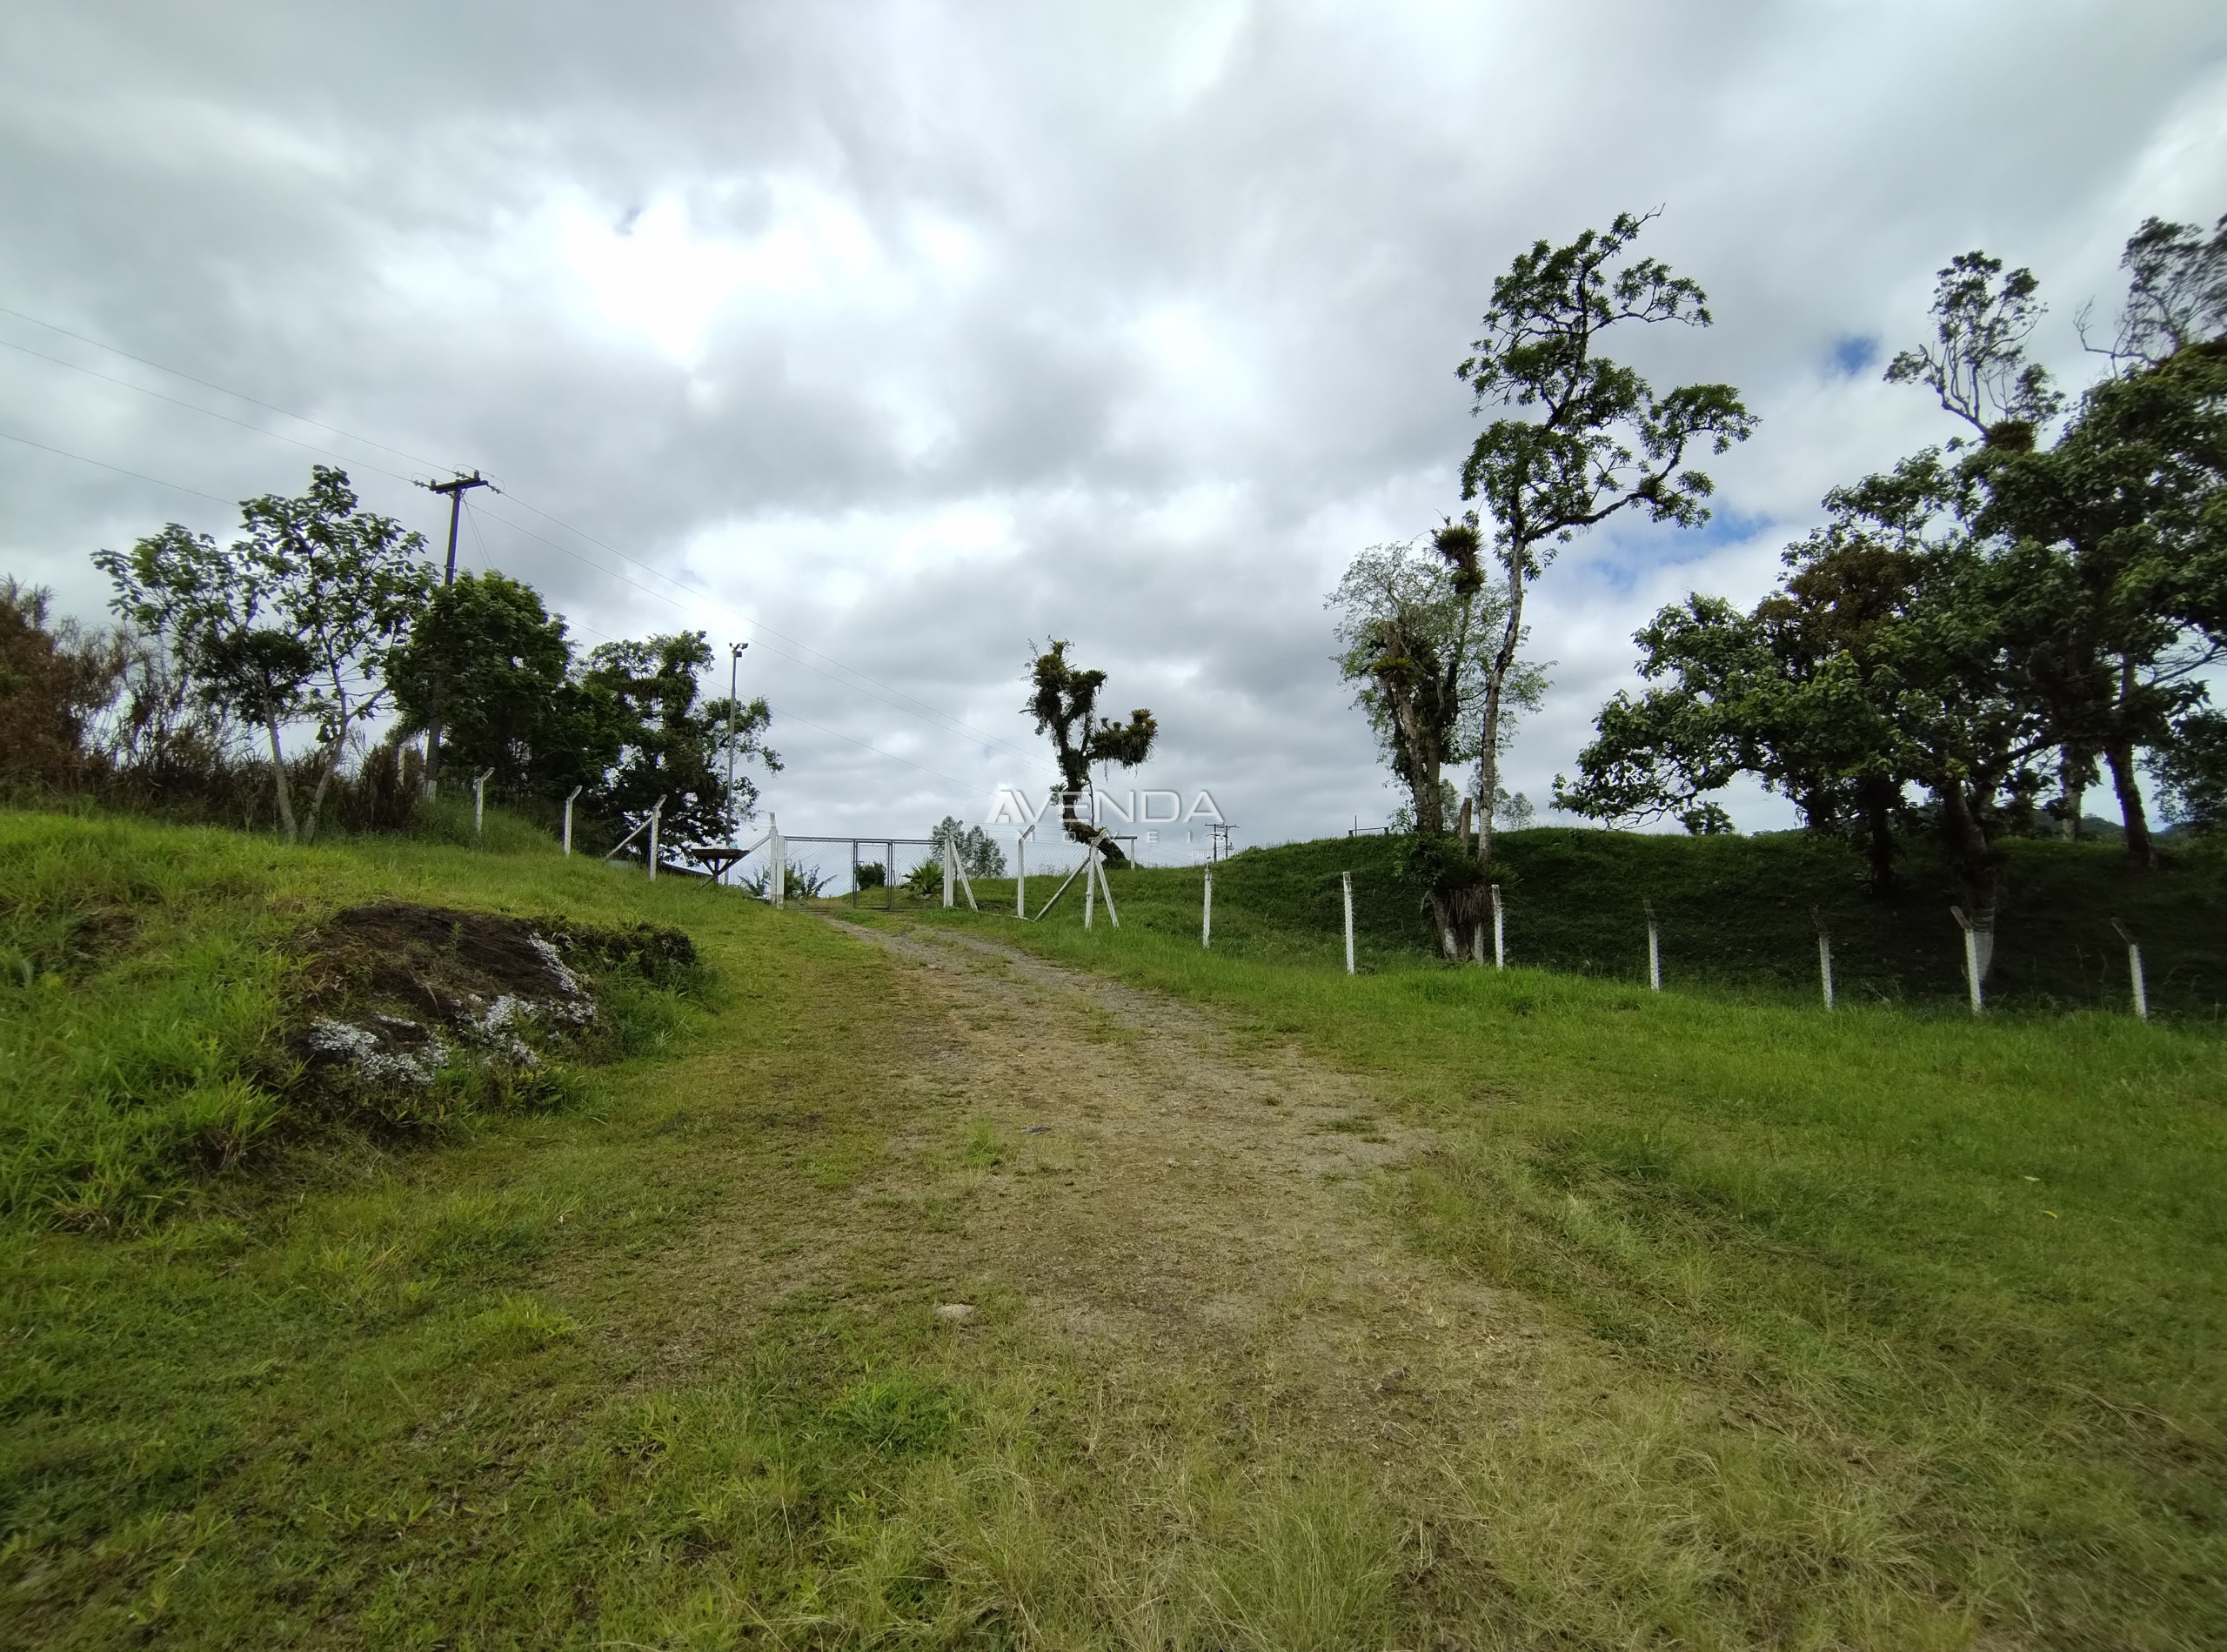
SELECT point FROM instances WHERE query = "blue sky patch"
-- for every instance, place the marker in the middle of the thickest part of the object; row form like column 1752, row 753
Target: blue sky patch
column 1637, row 548
column 1853, row 352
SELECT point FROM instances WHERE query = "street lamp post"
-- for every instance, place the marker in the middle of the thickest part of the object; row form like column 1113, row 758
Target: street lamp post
column 734, row 712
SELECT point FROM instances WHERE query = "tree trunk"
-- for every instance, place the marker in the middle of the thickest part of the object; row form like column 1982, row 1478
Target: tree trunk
column 2139, row 848
column 1975, row 866
column 1495, row 680
column 2119, row 753
column 1878, row 797
column 2071, row 790
column 1441, row 914
column 278, row 778
column 1430, row 807
column 431, row 781
column 316, row 798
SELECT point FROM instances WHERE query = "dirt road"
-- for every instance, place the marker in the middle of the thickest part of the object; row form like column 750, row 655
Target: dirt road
column 1168, row 1190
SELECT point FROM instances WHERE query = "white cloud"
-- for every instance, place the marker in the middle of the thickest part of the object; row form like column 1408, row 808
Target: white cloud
column 919, row 332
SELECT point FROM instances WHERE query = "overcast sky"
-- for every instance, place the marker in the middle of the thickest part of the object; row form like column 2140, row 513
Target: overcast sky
column 895, row 338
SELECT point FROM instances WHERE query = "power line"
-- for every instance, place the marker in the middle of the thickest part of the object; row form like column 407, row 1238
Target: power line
column 118, row 469
column 456, row 487
column 472, row 517
column 223, row 388
column 209, row 412
column 915, row 706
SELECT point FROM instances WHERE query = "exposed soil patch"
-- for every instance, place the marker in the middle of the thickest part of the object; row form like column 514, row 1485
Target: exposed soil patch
column 392, row 994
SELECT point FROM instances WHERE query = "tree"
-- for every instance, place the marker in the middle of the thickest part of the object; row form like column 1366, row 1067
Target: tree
column 349, row 581
column 1413, row 630
column 56, row 679
column 1592, row 437
column 978, row 851
column 487, row 656
column 206, row 606
column 669, row 743
column 1801, row 691
column 2118, row 541
column 626, row 726
column 2114, row 576
column 2176, row 291
column 2192, row 772
column 1065, row 704
column 296, row 620
column 1880, row 662
column 1976, row 363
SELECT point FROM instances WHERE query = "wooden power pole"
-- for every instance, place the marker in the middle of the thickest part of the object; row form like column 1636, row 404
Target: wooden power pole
column 456, row 487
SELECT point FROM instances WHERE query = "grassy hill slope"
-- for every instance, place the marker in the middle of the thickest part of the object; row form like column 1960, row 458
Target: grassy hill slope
column 1860, row 1324
column 1734, row 912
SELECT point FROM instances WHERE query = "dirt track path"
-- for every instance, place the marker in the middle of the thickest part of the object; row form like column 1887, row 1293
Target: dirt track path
column 1176, row 1193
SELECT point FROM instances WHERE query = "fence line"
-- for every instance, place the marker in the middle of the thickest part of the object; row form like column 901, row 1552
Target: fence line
column 1978, row 939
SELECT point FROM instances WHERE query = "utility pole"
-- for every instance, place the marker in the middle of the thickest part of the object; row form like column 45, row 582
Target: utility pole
column 734, row 710
column 456, row 487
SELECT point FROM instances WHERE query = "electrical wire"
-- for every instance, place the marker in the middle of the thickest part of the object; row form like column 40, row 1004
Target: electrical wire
column 209, row 412
column 486, row 564
column 222, row 389
column 118, row 469
column 913, row 706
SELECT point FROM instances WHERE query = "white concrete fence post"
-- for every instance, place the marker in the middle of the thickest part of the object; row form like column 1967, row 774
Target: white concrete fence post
column 949, row 902
column 1500, row 934
column 1974, row 964
column 656, row 820
column 480, row 802
column 1020, row 882
column 1347, row 880
column 777, row 867
column 1824, row 956
column 1653, row 948
column 2134, row 970
column 1089, row 885
column 1206, row 911
column 568, row 818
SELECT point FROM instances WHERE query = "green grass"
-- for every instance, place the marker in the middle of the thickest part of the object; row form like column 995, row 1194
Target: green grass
column 145, row 974
column 1881, row 1328
column 1734, row 912
column 656, row 1368
column 1986, row 1259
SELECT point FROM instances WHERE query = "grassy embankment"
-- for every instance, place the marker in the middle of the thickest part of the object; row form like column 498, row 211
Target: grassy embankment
column 521, row 1381
column 1734, row 913
column 1987, row 1260
column 1903, row 1327
column 653, row 1362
